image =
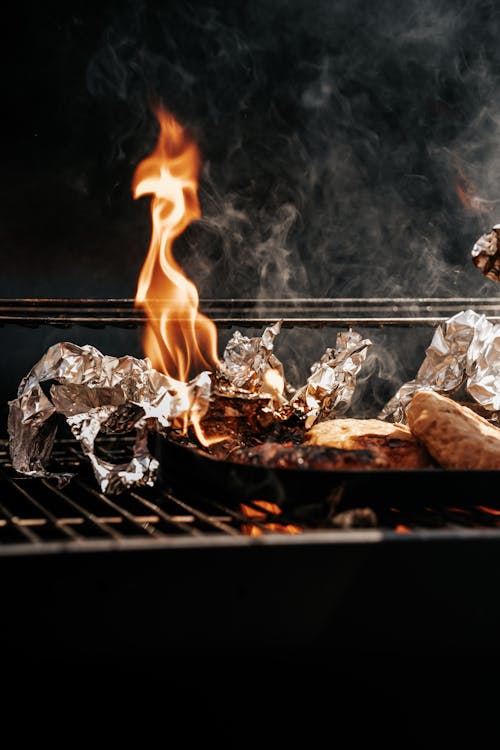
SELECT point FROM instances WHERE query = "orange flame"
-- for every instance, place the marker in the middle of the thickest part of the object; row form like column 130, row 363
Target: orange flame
column 252, row 512
column 178, row 339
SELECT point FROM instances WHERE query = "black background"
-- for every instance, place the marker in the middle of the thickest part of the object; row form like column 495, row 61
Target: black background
column 333, row 136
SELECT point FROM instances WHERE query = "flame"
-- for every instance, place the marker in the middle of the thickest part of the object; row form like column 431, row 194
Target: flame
column 178, row 339
column 267, row 508
column 273, row 383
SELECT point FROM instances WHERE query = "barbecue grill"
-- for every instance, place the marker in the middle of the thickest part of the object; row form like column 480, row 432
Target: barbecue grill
column 152, row 576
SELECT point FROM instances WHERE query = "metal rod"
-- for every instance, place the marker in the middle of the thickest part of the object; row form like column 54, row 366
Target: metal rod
column 181, row 525
column 69, row 532
column 101, row 523
column 201, row 516
column 14, row 520
column 121, row 511
column 348, row 311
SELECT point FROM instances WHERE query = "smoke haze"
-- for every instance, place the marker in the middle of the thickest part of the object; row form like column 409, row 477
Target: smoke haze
column 336, row 138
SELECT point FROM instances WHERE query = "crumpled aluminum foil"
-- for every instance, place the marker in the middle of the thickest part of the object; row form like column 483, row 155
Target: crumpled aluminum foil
column 98, row 393
column 464, row 351
column 246, row 360
column 327, row 391
column 486, row 254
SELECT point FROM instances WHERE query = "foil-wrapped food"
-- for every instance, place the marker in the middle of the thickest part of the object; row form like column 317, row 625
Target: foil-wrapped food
column 485, row 254
column 462, row 355
column 97, row 393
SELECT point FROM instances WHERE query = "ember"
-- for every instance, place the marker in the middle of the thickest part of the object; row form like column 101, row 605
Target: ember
column 261, row 510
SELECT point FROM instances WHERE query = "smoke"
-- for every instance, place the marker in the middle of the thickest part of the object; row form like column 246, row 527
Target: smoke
column 349, row 148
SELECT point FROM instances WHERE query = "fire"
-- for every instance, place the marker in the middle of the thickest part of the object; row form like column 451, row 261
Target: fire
column 274, row 383
column 261, row 515
column 178, row 340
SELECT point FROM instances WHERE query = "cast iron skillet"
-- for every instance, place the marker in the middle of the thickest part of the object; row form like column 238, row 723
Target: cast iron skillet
column 192, row 470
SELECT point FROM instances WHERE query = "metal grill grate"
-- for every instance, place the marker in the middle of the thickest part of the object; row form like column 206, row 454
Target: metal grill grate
column 37, row 510
column 38, row 514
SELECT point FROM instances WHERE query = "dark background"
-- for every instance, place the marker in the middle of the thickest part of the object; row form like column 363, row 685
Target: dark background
column 333, row 137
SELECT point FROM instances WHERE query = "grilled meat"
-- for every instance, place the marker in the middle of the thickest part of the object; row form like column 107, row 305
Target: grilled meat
column 291, row 456
column 340, row 444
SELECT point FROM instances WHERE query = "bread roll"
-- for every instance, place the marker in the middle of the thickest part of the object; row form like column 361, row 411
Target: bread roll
column 454, row 435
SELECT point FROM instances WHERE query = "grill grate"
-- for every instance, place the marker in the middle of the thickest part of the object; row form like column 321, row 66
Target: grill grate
column 37, row 510
column 37, row 513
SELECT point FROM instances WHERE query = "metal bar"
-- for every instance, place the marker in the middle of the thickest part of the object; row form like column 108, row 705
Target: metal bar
column 182, row 525
column 66, row 302
column 23, row 530
column 229, row 322
column 121, row 511
column 203, row 517
column 66, row 311
column 101, row 523
column 71, row 533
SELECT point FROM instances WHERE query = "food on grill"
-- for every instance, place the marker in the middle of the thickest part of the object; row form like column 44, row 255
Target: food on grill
column 291, row 456
column 341, row 444
column 392, row 445
column 454, row 435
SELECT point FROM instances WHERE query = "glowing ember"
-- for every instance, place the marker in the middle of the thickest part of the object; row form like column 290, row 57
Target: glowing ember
column 493, row 511
column 402, row 529
column 178, row 339
column 261, row 515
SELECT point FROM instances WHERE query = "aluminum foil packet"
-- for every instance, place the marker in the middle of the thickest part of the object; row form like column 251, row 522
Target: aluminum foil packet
column 329, row 389
column 486, row 254
column 464, row 352
column 248, row 362
column 97, row 393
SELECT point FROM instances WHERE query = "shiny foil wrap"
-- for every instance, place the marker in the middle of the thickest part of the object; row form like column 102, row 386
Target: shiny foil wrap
column 486, row 254
column 97, row 393
column 464, row 351
column 327, row 391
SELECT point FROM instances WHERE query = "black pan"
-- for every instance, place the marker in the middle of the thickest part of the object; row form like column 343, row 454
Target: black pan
column 189, row 469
